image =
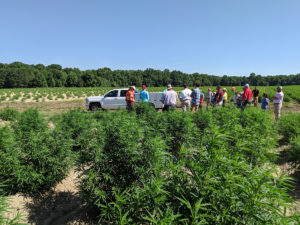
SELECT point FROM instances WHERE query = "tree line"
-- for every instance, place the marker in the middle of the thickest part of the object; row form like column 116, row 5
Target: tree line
column 20, row 75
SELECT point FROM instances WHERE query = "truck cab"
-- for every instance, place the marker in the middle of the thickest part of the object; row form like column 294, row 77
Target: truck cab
column 116, row 99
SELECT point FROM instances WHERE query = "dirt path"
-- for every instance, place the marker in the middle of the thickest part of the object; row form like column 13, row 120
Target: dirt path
column 61, row 205
column 285, row 168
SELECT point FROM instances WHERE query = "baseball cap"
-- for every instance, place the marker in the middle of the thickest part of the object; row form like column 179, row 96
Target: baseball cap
column 169, row 86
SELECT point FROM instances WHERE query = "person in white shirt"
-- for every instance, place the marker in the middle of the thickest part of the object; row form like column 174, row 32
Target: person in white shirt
column 169, row 99
column 277, row 101
column 185, row 98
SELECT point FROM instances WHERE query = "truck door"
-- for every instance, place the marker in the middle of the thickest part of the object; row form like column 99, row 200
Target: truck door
column 110, row 100
column 123, row 99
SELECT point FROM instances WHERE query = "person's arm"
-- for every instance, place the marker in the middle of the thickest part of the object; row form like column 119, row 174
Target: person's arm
column 147, row 96
column 181, row 96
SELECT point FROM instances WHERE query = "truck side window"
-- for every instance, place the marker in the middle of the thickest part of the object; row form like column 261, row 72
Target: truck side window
column 112, row 94
column 123, row 93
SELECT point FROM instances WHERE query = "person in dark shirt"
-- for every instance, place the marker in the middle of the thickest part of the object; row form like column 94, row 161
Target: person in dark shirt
column 218, row 97
column 255, row 96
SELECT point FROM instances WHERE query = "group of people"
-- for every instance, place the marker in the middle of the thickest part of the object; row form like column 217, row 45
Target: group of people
column 193, row 99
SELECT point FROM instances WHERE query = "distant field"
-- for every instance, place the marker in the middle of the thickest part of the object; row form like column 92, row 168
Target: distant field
column 63, row 93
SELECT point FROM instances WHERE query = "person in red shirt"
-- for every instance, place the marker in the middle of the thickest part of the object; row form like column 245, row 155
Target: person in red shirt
column 130, row 98
column 247, row 96
column 218, row 97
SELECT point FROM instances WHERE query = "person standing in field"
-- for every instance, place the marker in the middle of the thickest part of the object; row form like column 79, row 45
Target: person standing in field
column 247, row 96
column 169, row 99
column 130, row 98
column 264, row 102
column 185, row 98
column 277, row 101
column 235, row 99
column 224, row 96
column 208, row 97
column 144, row 95
column 196, row 98
column 201, row 99
column 255, row 96
column 218, row 97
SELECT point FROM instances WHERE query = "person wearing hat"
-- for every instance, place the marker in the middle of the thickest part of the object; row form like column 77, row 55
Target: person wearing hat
column 130, row 98
column 144, row 95
column 277, row 101
column 185, row 98
column 169, row 99
column 247, row 96
column 224, row 96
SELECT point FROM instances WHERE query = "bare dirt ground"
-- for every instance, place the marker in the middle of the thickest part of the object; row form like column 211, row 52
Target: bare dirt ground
column 48, row 108
column 285, row 168
column 61, row 205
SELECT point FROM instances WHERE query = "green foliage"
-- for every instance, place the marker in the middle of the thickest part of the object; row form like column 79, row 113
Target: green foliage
column 217, row 177
column 80, row 129
column 289, row 126
column 20, row 75
column 35, row 158
column 9, row 114
column 294, row 154
column 4, row 209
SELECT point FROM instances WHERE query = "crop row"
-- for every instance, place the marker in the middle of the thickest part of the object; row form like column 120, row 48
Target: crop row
column 45, row 94
column 144, row 167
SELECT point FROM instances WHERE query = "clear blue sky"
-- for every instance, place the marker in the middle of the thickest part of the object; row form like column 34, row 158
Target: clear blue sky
column 233, row 37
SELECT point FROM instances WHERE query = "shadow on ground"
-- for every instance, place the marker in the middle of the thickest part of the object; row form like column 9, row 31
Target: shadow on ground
column 60, row 208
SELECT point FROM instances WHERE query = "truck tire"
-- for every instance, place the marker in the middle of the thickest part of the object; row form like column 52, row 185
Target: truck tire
column 94, row 107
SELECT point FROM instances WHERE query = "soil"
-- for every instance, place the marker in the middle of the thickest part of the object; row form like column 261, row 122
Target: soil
column 61, row 205
column 285, row 168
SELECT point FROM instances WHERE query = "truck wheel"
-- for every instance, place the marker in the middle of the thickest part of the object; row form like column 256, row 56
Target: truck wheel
column 95, row 107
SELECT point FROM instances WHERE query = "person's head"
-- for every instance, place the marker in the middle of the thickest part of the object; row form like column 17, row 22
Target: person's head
column 236, row 93
column 209, row 89
column 246, row 86
column 144, row 87
column 131, row 88
column 197, row 85
column 224, row 89
column 265, row 95
column 185, row 86
column 233, row 89
column 218, row 87
column 169, row 87
column 279, row 88
column 215, row 93
column 241, row 93
column 255, row 88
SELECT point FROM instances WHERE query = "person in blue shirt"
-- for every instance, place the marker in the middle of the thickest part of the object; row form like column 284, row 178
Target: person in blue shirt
column 265, row 102
column 144, row 95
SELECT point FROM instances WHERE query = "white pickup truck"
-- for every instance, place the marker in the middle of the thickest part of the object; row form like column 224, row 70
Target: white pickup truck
column 115, row 99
